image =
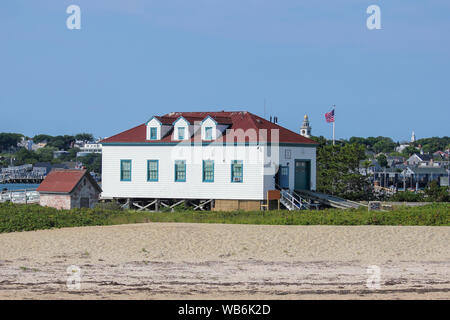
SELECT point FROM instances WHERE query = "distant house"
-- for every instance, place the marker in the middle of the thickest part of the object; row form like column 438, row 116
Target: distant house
column 369, row 168
column 68, row 189
column 441, row 155
column 37, row 146
column 42, row 167
column 395, row 160
column 422, row 176
column 402, row 146
column 92, row 148
column 419, row 160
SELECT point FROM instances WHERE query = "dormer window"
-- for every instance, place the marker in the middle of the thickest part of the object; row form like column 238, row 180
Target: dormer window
column 153, row 133
column 209, row 129
column 208, row 133
column 154, row 127
column 181, row 129
column 181, row 133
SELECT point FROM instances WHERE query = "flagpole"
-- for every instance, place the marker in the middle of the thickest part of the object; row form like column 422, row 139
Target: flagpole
column 333, row 131
column 334, row 121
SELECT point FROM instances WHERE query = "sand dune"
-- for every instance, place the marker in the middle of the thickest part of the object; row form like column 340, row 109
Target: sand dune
column 208, row 261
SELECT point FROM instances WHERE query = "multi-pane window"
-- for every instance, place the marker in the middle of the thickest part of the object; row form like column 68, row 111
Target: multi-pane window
column 180, row 170
column 153, row 133
column 181, row 133
column 208, row 133
column 125, row 170
column 152, row 170
column 237, row 171
column 208, row 171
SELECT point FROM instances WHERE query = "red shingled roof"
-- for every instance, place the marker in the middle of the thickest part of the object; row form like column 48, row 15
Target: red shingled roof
column 235, row 120
column 64, row 181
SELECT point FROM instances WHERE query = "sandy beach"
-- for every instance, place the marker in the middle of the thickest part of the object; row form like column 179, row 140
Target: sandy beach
column 213, row 261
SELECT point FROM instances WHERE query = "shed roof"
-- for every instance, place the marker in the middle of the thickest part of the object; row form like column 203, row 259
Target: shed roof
column 65, row 181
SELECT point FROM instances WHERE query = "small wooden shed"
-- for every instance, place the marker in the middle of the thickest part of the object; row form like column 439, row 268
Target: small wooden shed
column 68, row 189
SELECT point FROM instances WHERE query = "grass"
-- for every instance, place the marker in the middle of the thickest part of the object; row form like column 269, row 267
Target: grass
column 16, row 217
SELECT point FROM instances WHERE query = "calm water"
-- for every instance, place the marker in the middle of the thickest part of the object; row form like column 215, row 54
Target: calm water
column 17, row 186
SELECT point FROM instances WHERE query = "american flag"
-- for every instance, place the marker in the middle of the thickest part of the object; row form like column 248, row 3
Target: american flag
column 329, row 116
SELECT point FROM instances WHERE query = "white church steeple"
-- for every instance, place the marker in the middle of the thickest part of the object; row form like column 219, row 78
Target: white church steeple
column 413, row 137
column 305, row 130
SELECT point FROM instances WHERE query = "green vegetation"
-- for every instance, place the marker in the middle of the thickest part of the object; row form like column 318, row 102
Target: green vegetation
column 15, row 217
column 92, row 162
column 387, row 145
column 376, row 144
column 337, row 171
column 9, row 140
column 382, row 160
column 434, row 144
column 407, row 196
column 19, row 155
column 433, row 193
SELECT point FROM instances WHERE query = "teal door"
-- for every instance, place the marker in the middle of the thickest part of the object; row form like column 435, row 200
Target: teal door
column 302, row 174
column 283, row 177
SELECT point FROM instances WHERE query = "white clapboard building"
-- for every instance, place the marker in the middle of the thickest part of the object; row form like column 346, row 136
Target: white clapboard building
column 223, row 160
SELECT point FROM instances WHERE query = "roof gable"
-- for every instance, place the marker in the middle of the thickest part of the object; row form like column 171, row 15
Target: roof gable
column 181, row 118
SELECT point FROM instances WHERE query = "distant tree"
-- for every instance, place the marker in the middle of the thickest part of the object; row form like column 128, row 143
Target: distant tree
column 431, row 145
column 409, row 150
column 358, row 140
column 382, row 160
column 338, row 173
column 321, row 140
column 9, row 140
column 376, row 144
column 436, row 193
column 42, row 138
column 61, row 142
column 71, row 156
column 45, row 154
column 396, row 154
column 384, row 145
column 84, row 137
column 24, row 156
column 92, row 162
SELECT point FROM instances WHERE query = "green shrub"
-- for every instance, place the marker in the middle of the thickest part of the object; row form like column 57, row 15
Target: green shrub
column 407, row 196
column 436, row 193
column 16, row 217
column 112, row 205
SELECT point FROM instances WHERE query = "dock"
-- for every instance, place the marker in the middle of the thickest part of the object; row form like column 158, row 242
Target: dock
column 23, row 196
column 329, row 200
column 21, row 179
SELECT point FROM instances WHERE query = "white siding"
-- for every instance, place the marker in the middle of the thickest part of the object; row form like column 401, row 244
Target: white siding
column 299, row 153
column 222, row 187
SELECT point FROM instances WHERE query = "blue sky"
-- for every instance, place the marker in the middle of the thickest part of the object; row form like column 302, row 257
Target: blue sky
column 134, row 59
